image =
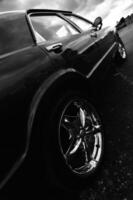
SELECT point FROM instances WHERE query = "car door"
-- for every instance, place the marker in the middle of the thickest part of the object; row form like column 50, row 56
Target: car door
column 104, row 41
column 65, row 42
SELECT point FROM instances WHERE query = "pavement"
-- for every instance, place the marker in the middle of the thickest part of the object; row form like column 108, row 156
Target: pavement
column 114, row 180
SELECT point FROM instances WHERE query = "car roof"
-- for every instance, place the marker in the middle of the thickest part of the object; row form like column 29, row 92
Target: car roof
column 35, row 11
column 48, row 10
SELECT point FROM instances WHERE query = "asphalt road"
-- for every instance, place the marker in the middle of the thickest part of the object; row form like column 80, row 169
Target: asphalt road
column 115, row 178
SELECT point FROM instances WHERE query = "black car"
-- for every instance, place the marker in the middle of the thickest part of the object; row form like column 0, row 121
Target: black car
column 51, row 62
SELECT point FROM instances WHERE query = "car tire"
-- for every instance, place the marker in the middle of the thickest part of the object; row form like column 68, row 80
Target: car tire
column 72, row 140
column 121, row 54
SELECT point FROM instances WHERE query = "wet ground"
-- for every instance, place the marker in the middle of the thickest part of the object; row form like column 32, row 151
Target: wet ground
column 115, row 178
column 115, row 181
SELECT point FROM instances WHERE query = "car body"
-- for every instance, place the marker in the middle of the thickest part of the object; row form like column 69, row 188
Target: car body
column 37, row 60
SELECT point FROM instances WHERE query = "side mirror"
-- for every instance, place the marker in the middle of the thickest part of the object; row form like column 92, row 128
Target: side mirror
column 98, row 23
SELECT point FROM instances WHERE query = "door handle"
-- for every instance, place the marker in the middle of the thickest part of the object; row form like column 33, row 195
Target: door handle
column 93, row 35
column 57, row 48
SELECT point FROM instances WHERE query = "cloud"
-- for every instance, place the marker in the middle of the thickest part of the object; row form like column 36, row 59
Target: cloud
column 9, row 5
column 26, row 4
column 110, row 10
column 97, row 9
column 71, row 5
column 121, row 8
column 74, row 5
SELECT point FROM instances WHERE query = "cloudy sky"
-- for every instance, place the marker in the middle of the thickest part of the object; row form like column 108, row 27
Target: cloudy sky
column 110, row 10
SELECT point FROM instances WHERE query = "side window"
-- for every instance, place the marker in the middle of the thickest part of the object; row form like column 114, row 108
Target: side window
column 82, row 24
column 52, row 27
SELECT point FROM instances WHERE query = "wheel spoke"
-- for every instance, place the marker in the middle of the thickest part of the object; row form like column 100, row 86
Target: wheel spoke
column 96, row 129
column 82, row 117
column 82, row 145
column 122, row 51
column 85, row 151
column 94, row 119
column 96, row 126
column 93, row 163
column 74, row 145
column 67, row 121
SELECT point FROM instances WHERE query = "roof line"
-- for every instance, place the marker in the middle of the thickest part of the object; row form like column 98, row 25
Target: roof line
column 47, row 10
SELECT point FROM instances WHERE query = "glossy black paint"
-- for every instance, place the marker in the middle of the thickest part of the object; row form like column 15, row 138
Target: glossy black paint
column 28, row 70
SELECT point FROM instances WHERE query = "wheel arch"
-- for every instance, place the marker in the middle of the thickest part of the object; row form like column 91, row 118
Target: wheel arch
column 62, row 79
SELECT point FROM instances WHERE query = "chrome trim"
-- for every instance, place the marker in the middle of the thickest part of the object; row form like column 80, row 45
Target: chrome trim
column 77, row 28
column 86, row 47
column 101, row 60
column 54, row 46
column 32, row 30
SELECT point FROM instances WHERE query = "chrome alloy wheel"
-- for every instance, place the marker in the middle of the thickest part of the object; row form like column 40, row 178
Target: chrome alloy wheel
column 80, row 137
column 122, row 51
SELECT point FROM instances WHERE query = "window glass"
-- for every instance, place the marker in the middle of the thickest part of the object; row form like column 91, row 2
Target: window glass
column 82, row 24
column 51, row 27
